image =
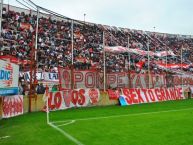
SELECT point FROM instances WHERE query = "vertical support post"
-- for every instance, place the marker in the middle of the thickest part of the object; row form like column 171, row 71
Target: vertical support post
column 72, row 42
column 72, row 54
column 166, row 66
column 33, row 65
column 166, row 57
column 148, row 65
column 129, row 55
column 129, row 67
column 181, row 65
column 1, row 11
column 104, row 62
column 36, row 41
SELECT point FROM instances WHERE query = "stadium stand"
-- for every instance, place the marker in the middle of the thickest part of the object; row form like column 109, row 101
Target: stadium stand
column 54, row 44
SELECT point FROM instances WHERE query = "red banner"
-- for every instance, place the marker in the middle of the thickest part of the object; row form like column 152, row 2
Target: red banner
column 173, row 66
column 15, row 60
column 12, row 106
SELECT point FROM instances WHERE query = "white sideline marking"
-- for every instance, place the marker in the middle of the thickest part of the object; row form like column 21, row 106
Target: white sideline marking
column 66, row 134
column 68, row 122
column 4, row 137
column 117, row 116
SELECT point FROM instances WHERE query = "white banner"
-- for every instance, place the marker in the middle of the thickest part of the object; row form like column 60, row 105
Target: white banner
column 12, row 106
column 120, row 49
column 73, row 98
column 43, row 76
column 165, row 53
column 9, row 75
column 138, row 96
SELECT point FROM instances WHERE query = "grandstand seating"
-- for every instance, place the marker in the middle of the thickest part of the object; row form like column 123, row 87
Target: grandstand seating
column 54, row 43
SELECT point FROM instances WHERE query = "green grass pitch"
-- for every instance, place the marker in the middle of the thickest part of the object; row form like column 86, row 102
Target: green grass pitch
column 165, row 123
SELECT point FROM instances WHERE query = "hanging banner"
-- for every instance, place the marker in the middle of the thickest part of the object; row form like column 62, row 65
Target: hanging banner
column 178, row 80
column 64, row 78
column 12, row 106
column 52, row 77
column 43, row 76
column 9, row 76
column 120, row 49
column 172, row 66
column 164, row 53
column 14, row 60
column 138, row 96
column 116, row 49
column 73, row 98
column 94, row 79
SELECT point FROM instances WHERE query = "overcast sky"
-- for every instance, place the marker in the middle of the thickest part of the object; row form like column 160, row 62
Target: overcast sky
column 167, row 16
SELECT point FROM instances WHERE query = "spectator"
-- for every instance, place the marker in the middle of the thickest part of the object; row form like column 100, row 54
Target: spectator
column 40, row 89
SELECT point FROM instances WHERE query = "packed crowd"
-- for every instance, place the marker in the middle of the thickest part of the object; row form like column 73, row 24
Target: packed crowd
column 55, row 44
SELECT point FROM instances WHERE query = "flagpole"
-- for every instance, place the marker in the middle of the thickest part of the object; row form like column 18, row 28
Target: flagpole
column 104, row 61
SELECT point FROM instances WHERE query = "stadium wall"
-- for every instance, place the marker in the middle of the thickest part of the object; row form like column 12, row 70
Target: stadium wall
column 38, row 103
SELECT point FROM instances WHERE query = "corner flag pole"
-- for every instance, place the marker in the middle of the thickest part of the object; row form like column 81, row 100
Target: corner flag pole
column 47, row 110
column 47, row 107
